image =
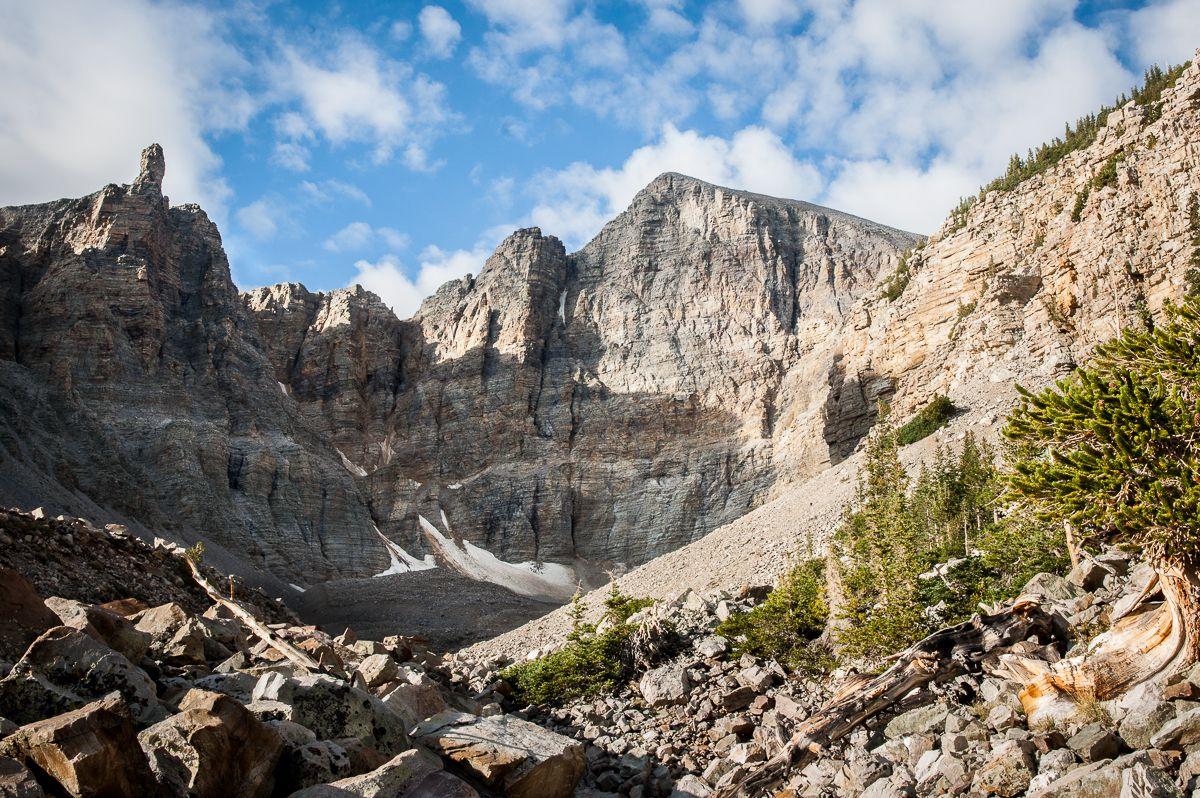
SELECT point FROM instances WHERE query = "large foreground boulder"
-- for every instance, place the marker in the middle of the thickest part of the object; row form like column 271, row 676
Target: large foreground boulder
column 111, row 629
column 333, row 710
column 176, row 637
column 506, row 753
column 23, row 615
column 65, row 669
column 214, row 748
column 91, row 751
column 413, row 774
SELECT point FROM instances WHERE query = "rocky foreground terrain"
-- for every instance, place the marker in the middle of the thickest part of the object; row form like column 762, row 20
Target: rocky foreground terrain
column 202, row 695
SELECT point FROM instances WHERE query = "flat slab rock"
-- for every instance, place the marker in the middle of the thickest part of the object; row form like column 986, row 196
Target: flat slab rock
column 503, row 752
column 412, row 774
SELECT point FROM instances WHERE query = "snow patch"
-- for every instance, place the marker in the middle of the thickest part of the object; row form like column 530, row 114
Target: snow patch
column 455, row 486
column 562, row 306
column 402, row 561
column 295, row 587
column 357, row 470
column 544, row 580
column 283, row 388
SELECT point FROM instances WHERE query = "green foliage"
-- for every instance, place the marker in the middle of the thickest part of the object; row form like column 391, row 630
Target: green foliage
column 195, row 552
column 1149, row 96
column 1107, row 175
column 786, row 626
column 930, row 418
column 1193, row 272
column 887, row 547
column 896, row 284
column 594, row 660
column 958, row 216
column 1081, row 198
column 1112, row 450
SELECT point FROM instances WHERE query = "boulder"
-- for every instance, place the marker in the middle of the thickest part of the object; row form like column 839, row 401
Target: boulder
column 1145, row 781
column 665, row 686
column 311, row 763
column 417, row 701
column 412, row 774
column 23, row 615
column 213, row 748
column 1097, row 780
column 1094, row 742
column 334, row 709
column 1179, row 733
column 1009, row 769
column 376, row 670
column 1143, row 721
column 690, row 786
column 1051, row 586
column 111, row 629
column 126, row 607
column 922, row 720
column 16, row 781
column 90, row 751
column 519, row 758
column 175, row 636
column 65, row 669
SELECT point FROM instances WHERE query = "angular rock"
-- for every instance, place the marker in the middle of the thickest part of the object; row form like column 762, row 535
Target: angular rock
column 333, row 709
column 65, row 669
column 1094, row 742
column 23, row 615
column 175, row 635
column 1143, row 721
column 665, row 686
column 922, row 720
column 518, row 757
column 1097, row 780
column 1179, row 733
column 111, row 629
column 16, row 781
column 311, row 763
column 1008, row 770
column 377, row 669
column 213, row 748
column 1145, row 781
column 1051, row 586
column 412, row 774
column 416, row 701
column 90, row 751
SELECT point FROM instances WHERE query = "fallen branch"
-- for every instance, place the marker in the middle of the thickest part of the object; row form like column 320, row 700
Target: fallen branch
column 941, row 656
column 293, row 654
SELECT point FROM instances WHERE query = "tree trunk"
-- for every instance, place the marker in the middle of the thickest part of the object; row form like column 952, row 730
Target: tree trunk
column 1149, row 641
column 940, row 657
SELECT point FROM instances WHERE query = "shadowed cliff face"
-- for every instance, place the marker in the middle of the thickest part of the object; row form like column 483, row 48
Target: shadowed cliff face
column 609, row 405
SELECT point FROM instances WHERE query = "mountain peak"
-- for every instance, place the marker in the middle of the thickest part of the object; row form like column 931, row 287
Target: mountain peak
column 153, row 168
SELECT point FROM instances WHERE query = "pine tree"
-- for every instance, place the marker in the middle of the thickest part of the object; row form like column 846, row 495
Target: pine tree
column 1193, row 272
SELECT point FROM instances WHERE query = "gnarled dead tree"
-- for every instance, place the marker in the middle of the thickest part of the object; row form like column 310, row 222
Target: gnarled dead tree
column 941, row 656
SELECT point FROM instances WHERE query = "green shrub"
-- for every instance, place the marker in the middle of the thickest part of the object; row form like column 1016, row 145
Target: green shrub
column 899, row 279
column 1193, row 272
column 930, row 418
column 1081, row 198
column 1112, row 450
column 887, row 546
column 594, row 660
column 1107, row 175
column 786, row 626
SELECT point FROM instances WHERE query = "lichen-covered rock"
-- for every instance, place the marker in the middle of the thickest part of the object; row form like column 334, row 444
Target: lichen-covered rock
column 176, row 636
column 412, row 774
column 333, row 709
column 65, row 669
column 506, row 753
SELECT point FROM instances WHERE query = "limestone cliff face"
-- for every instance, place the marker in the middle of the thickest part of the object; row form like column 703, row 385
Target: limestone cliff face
column 608, row 405
column 1026, row 287
column 135, row 384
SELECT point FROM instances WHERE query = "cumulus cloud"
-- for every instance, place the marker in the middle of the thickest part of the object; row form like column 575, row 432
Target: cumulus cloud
column 356, row 94
column 1164, row 32
column 403, row 293
column 578, row 200
column 440, row 31
column 260, row 218
column 358, row 236
column 330, row 190
column 88, row 85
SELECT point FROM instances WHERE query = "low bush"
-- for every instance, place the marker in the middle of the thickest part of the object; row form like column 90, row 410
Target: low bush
column 929, row 419
column 596, row 658
column 786, row 626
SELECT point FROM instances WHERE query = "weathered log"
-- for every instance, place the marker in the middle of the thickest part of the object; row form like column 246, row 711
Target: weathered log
column 1149, row 641
column 941, row 656
column 293, row 654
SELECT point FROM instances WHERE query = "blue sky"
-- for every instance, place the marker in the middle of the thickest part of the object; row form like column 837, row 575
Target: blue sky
column 396, row 143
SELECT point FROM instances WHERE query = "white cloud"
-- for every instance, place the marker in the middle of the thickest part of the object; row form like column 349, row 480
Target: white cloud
column 578, row 200
column 769, row 12
column 327, row 191
column 358, row 236
column 88, row 85
column 1165, row 32
column 388, row 278
column 900, row 194
column 440, row 31
column 356, row 94
column 260, row 218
